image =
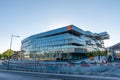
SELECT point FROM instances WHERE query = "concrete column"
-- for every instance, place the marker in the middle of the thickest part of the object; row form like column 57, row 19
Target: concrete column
column 112, row 54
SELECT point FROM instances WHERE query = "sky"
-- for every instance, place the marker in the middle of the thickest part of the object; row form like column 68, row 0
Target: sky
column 27, row 17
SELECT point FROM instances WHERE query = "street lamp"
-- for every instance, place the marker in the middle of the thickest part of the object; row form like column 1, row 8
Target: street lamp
column 10, row 48
column 12, row 39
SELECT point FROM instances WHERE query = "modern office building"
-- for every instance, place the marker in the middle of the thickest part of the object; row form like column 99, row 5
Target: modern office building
column 66, row 43
column 114, row 51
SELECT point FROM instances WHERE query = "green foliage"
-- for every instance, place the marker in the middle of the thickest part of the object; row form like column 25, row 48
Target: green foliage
column 101, row 53
column 7, row 54
column 88, row 54
column 0, row 56
column 96, row 53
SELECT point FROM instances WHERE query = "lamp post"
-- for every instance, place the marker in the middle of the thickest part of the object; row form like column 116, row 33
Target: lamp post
column 10, row 49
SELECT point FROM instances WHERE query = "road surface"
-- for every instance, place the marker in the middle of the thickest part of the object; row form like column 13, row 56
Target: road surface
column 17, row 75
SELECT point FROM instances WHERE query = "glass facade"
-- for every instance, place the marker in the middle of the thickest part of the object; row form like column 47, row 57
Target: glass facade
column 114, row 51
column 66, row 43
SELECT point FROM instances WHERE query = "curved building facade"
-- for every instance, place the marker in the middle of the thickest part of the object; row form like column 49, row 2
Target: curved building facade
column 66, row 43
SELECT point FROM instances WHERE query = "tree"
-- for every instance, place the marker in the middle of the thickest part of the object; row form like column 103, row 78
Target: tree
column 96, row 53
column 100, row 53
column 0, row 56
column 7, row 54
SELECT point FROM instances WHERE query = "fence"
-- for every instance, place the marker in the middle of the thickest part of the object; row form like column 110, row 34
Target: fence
column 57, row 67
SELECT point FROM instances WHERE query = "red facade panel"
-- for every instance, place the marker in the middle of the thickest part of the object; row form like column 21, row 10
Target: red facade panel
column 69, row 27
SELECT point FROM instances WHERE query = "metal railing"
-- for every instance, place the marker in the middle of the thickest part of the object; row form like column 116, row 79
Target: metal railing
column 57, row 67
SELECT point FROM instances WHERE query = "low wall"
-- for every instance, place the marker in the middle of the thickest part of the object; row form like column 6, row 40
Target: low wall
column 58, row 67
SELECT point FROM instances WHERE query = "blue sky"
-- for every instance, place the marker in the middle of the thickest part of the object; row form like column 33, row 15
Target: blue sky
column 27, row 17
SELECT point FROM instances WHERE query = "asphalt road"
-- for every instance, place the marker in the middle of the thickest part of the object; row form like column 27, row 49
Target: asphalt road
column 6, row 75
column 14, row 75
